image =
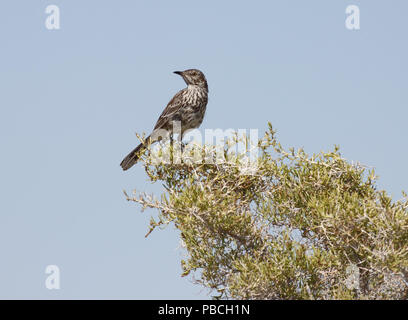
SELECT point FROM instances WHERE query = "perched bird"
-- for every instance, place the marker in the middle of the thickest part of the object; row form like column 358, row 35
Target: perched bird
column 187, row 106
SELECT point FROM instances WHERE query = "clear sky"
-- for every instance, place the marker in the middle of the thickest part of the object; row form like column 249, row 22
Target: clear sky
column 72, row 99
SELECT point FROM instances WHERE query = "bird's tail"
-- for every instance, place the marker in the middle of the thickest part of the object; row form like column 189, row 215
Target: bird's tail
column 133, row 156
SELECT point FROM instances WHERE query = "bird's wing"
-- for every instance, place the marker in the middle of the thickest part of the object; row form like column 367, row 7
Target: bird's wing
column 172, row 107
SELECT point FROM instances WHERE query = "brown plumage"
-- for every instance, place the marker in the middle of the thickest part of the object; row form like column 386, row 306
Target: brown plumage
column 187, row 106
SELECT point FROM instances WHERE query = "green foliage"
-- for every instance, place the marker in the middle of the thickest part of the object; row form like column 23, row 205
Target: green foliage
column 299, row 227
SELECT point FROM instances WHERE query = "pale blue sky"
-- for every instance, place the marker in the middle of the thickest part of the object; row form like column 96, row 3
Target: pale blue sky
column 71, row 101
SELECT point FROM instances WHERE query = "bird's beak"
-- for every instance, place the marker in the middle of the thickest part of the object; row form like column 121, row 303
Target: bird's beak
column 178, row 72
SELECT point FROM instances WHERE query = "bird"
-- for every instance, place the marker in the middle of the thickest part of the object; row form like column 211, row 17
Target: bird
column 188, row 107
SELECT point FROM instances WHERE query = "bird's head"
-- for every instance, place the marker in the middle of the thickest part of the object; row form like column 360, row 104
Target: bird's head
column 193, row 77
